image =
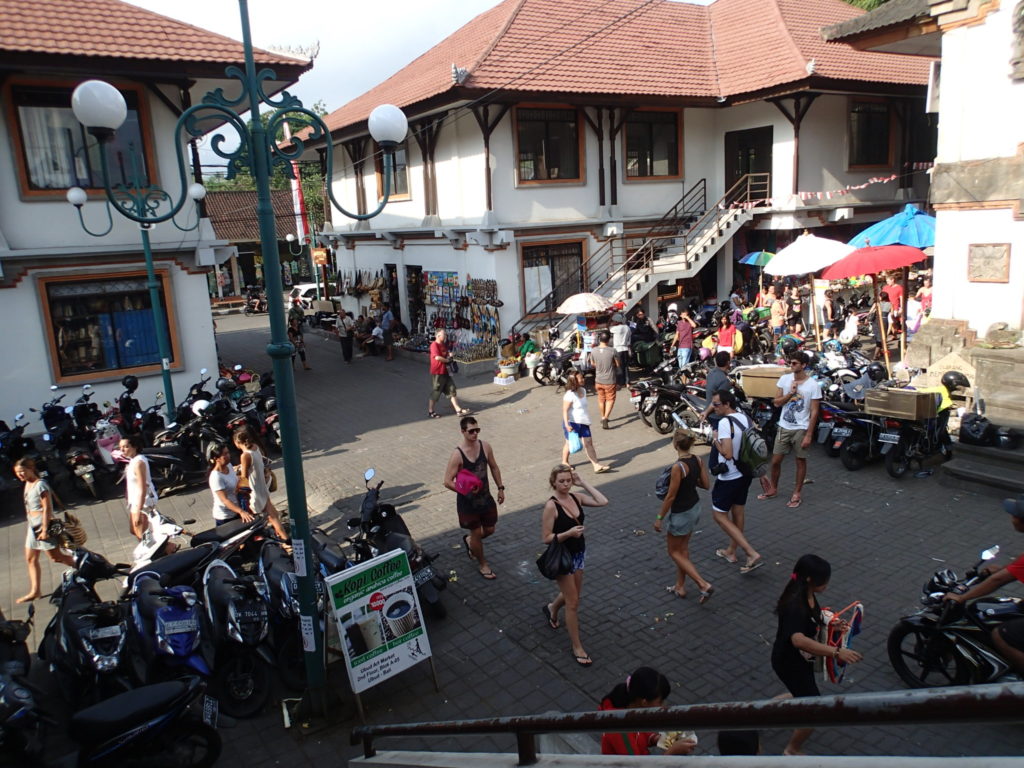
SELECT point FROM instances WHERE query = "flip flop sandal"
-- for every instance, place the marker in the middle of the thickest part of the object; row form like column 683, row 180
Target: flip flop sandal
column 547, row 615
column 584, row 660
column 488, row 574
column 433, row 415
column 752, row 566
column 705, row 595
column 463, row 412
column 602, row 469
column 795, row 502
column 721, row 553
column 672, row 590
column 766, row 496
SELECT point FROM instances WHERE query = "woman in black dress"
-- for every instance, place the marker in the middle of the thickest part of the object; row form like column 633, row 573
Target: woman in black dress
column 563, row 517
column 795, row 647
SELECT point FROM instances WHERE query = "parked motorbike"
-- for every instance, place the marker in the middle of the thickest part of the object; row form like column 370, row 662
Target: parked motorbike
column 179, row 455
column 946, row 644
column 151, row 726
column 84, row 641
column 862, row 443
column 381, row 529
column 14, row 446
column 183, row 412
column 554, row 366
column 277, row 570
column 166, row 628
column 917, row 440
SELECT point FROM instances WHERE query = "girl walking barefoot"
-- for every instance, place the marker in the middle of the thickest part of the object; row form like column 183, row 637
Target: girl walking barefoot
column 682, row 508
column 563, row 518
column 39, row 511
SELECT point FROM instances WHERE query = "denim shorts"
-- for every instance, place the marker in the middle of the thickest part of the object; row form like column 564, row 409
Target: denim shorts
column 578, row 561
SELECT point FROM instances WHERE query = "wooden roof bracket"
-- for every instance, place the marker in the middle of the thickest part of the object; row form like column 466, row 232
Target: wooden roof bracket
column 801, row 103
column 487, row 126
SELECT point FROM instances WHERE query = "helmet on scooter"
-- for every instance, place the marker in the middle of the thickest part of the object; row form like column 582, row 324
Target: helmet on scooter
column 788, row 346
column 953, row 380
column 226, row 385
column 673, row 307
column 129, row 382
column 942, row 580
column 834, row 345
column 199, row 406
column 876, row 372
column 704, row 353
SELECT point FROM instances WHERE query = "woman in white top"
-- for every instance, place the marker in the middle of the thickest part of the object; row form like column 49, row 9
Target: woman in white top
column 224, row 486
column 141, row 493
column 39, row 511
column 252, row 468
column 576, row 419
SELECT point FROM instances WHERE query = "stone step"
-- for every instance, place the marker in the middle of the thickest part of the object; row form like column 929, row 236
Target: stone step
column 995, row 457
column 969, row 474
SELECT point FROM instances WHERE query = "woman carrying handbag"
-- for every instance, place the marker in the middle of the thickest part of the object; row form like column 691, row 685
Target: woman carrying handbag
column 563, row 519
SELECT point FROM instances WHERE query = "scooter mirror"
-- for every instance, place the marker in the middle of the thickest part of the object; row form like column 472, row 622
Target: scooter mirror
column 46, row 437
column 989, row 554
column 19, row 416
column 353, row 522
column 202, row 371
column 238, row 367
column 369, row 474
column 53, row 387
column 138, row 415
column 86, row 387
column 69, row 409
column 159, row 395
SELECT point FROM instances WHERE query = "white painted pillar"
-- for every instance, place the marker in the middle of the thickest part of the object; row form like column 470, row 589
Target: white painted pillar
column 724, row 270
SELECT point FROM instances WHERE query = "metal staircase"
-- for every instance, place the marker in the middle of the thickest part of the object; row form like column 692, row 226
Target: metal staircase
column 627, row 267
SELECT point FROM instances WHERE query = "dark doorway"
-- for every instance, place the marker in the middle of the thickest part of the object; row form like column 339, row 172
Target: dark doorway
column 748, row 151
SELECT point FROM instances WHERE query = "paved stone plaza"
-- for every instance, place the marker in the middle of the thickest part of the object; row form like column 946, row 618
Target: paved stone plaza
column 495, row 654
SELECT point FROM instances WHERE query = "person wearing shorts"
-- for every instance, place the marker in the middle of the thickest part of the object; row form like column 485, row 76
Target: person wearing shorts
column 441, row 380
column 575, row 418
column 729, row 495
column 799, row 397
column 606, row 363
column 1008, row 638
column 478, row 512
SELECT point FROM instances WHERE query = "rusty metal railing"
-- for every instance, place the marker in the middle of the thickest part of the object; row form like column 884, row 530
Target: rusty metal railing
column 998, row 703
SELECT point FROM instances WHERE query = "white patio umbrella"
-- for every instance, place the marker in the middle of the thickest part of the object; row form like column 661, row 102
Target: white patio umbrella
column 807, row 254
column 584, row 303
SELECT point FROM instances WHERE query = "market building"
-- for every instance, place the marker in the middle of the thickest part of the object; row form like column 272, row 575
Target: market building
column 76, row 308
column 633, row 148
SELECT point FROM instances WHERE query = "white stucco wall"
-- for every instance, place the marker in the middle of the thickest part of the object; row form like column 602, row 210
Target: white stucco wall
column 26, row 375
column 981, row 110
column 979, row 303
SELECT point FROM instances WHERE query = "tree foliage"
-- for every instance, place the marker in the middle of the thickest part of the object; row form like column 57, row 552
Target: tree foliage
column 867, row 5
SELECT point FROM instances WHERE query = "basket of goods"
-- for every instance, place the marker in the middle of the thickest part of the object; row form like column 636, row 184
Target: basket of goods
column 508, row 366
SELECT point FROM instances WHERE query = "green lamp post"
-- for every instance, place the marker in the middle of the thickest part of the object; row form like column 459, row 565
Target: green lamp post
column 102, row 110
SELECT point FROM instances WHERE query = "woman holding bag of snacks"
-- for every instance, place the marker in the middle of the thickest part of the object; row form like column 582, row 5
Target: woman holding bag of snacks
column 644, row 688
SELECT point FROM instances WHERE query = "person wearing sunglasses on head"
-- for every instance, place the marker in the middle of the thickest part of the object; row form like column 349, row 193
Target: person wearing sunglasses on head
column 478, row 512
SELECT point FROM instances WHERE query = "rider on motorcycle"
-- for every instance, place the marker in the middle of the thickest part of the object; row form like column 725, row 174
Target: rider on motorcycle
column 1008, row 638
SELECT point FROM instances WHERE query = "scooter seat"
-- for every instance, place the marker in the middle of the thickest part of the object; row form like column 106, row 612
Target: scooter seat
column 220, row 533
column 171, row 568
column 330, row 553
column 120, row 714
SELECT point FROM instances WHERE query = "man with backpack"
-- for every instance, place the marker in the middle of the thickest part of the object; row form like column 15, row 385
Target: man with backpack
column 737, row 438
column 799, row 397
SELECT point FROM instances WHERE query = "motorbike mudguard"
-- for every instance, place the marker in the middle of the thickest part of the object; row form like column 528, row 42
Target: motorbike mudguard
column 196, row 662
column 264, row 652
column 428, row 592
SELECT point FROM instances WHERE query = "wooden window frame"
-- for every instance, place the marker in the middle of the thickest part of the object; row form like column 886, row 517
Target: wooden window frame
column 378, row 167
column 626, row 179
column 584, row 264
column 18, row 147
column 891, row 155
column 163, row 274
column 581, row 147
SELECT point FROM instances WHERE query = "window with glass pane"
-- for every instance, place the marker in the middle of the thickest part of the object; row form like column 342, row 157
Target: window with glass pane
column 400, row 180
column 551, row 274
column 869, row 134
column 548, row 143
column 58, row 151
column 652, row 144
column 103, row 325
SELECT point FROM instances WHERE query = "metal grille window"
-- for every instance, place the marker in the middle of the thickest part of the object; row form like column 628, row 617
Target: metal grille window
column 56, row 150
column 870, row 134
column 103, row 325
column 548, row 144
column 551, row 274
column 652, row 144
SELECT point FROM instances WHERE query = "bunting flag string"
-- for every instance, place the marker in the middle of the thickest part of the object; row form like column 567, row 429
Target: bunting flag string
column 768, row 202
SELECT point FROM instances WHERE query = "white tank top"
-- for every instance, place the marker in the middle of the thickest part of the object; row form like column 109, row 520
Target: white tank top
column 132, row 482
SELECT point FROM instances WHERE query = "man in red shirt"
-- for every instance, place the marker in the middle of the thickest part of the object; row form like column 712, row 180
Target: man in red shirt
column 1008, row 638
column 440, row 378
column 895, row 291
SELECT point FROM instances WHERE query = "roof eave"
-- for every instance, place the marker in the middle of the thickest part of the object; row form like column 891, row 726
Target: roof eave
column 827, row 85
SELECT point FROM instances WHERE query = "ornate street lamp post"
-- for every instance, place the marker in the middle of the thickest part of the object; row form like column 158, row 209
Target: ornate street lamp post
column 259, row 151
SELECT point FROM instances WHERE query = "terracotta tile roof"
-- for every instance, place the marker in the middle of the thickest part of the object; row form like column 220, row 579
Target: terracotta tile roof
column 233, row 214
column 637, row 48
column 893, row 12
column 114, row 29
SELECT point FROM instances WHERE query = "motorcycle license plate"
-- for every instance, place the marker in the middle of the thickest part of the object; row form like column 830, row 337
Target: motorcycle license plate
column 178, row 627
column 842, row 431
column 649, row 404
column 103, row 632
column 423, row 575
column 889, row 437
column 84, row 469
column 249, row 407
column 249, row 615
column 635, row 399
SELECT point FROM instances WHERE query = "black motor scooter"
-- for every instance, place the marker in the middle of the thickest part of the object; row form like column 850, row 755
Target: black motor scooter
column 381, row 529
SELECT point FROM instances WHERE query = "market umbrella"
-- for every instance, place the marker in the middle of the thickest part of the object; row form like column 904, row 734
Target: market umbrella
column 758, row 259
column 808, row 253
column 911, row 226
column 870, row 261
column 583, row 304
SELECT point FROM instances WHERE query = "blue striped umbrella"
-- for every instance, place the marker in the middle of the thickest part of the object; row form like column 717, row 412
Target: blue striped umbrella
column 757, row 258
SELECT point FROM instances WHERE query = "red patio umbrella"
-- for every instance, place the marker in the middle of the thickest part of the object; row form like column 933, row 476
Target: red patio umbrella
column 870, row 261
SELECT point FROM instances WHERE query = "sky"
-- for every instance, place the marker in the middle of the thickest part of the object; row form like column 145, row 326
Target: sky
column 360, row 45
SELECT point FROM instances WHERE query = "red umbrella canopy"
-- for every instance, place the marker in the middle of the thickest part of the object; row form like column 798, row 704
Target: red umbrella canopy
column 872, row 260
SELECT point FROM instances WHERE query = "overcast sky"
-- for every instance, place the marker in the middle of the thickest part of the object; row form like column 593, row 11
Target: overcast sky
column 361, row 43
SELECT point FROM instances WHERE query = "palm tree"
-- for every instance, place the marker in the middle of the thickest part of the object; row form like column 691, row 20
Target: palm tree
column 867, row 5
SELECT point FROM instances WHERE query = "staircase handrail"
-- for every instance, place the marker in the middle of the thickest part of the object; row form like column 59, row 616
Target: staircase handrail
column 992, row 703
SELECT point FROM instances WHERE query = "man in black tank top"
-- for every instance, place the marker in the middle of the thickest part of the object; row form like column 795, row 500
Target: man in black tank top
column 478, row 512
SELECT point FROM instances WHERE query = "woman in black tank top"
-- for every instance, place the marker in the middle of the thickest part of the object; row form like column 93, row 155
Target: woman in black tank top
column 682, row 508
column 563, row 518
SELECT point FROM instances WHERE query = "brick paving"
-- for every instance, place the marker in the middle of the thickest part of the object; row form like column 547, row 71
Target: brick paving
column 494, row 653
